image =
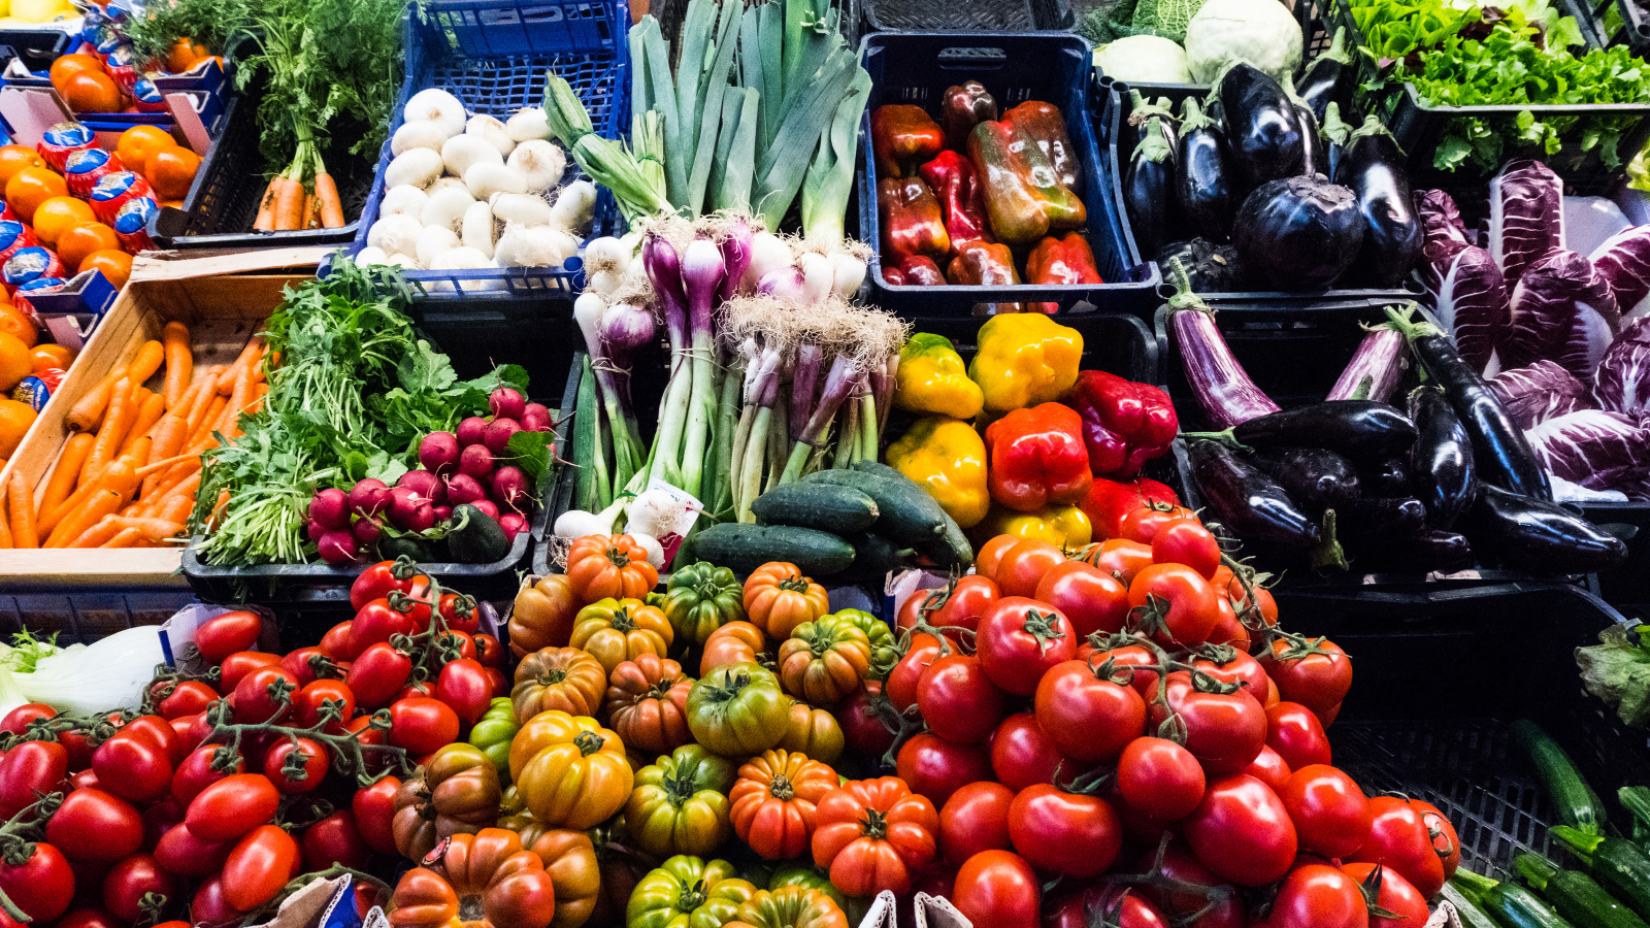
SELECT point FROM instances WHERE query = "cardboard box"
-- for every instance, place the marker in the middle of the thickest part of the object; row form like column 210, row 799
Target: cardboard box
column 223, row 300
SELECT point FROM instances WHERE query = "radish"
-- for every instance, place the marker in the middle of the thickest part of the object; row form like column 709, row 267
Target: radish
column 476, row 461
column 438, row 452
column 426, row 485
column 535, row 418
column 369, row 497
column 506, row 403
column 337, row 547
column 410, row 511
column 510, row 488
column 330, row 507
column 464, row 488
column 497, row 436
column 470, row 431
column 315, row 530
column 442, row 513
column 513, row 523
column 486, row 506
column 367, row 531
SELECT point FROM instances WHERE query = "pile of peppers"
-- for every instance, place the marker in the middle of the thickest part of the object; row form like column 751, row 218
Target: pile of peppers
column 1019, row 441
column 977, row 196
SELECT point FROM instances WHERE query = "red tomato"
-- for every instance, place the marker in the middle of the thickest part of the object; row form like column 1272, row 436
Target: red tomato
column 187, row 698
column 335, row 643
column 231, row 807
column 1160, row 779
column 360, row 728
column 1224, row 731
column 422, row 689
column 180, row 852
column 1269, row 768
column 28, row 771
column 211, row 908
column 1293, row 731
column 1088, row 717
column 241, row 663
column 500, row 684
column 374, row 807
column 1124, row 658
column 377, row 675
column 158, row 819
column 999, row 889
column 315, row 697
column 129, row 880
column 1320, row 896
column 1223, row 910
column 296, row 765
column 133, row 766
column 83, row 779
column 379, row 621
column 1445, row 841
column 990, row 556
column 334, row 840
column 1090, row 598
column 259, row 866
column 1242, row 832
column 382, row 578
column 1174, row 604
column 223, row 635
column 1391, row 892
column 95, row 825
column 304, row 663
column 42, row 886
column 90, row 917
column 1142, row 524
column 464, row 687
column 1022, row 755
column 1398, row 837
column 1122, row 559
column 1023, row 566
column 1239, row 668
column 1110, row 500
column 975, row 819
column 421, row 725
column 19, row 718
column 196, row 773
column 958, row 701
column 917, row 608
column 460, row 613
column 1064, row 833
column 922, row 650
column 1019, row 640
column 1229, row 629
column 161, row 733
column 1330, row 812
column 861, row 725
column 961, row 604
column 490, row 653
column 1121, row 907
column 191, row 731
column 263, row 695
column 936, row 768
column 1186, row 542
column 1317, row 675
column 465, row 643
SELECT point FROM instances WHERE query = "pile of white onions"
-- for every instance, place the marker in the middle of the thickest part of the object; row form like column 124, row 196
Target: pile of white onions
column 470, row 192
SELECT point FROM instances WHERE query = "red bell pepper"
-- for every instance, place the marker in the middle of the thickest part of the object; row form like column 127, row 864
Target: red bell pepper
column 1041, row 122
column 1109, row 501
column 985, row 264
column 921, row 271
column 911, row 219
column 894, row 277
column 903, row 137
column 962, row 200
column 1125, row 424
column 963, row 107
column 1024, row 198
column 1067, row 260
column 1037, row 458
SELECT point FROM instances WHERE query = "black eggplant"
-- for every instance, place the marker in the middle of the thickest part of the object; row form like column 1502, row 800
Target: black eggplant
column 1386, row 478
column 1441, row 461
column 1149, row 183
column 1299, row 233
column 1374, row 170
column 1530, row 534
column 1139, row 121
column 1210, row 268
column 1317, row 477
column 1383, row 517
column 1331, row 78
column 1428, row 549
column 1246, row 501
column 1314, row 157
column 1500, row 452
column 1336, row 135
column 1203, row 178
column 1261, row 127
column 1363, row 430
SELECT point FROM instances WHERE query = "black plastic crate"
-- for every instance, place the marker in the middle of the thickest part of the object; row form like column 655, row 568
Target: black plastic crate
column 915, row 68
column 37, row 47
column 969, row 16
column 79, row 615
column 1621, row 22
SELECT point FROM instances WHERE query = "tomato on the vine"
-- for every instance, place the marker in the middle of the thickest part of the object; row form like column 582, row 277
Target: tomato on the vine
column 1160, row 779
column 232, row 806
column 464, row 687
column 1089, row 597
column 1183, row 541
column 1399, row 838
column 130, row 880
column 1121, row 559
column 962, row 603
column 463, row 641
column 241, row 663
column 1019, row 639
column 196, row 773
column 958, row 700
column 1022, row 566
column 1023, row 754
column 1224, row 909
column 308, row 771
column 975, row 819
column 210, row 908
column 42, row 886
column 93, row 824
column 1390, row 891
column 1293, row 731
column 1224, row 731
column 1269, row 768
column 1142, row 525
column 1173, row 604
column 184, row 854
column 998, row 888
column 460, row 613
column 313, row 699
column 990, row 555
column 490, row 653
column 922, row 650
column 374, row 808
column 1330, row 812
column 1089, row 717
column 1125, row 658
column 1242, row 832
column 379, row 621
column 1122, row 907
column 422, row 725
column 1317, row 673
column 1320, row 896
column 937, row 768
column 264, row 860
column 1068, row 834
column 259, row 695
column 223, row 635
column 133, row 766
column 377, row 675
column 335, row 643
column 334, row 840
column 1234, row 667
column 19, row 718
column 187, row 698
column 383, row 578
column 1442, row 834
column 160, row 732
column 861, row 723
column 28, row 771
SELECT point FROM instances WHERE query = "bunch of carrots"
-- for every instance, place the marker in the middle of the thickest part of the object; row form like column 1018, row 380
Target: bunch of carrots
column 127, row 477
column 287, row 205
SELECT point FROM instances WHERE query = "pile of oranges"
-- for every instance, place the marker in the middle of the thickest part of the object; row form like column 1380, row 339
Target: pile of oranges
column 22, row 355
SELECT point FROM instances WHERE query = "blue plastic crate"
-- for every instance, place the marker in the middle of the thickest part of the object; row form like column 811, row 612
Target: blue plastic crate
column 493, row 56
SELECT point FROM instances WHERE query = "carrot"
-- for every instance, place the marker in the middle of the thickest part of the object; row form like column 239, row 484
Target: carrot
column 289, row 201
column 203, row 400
column 169, row 434
column 87, row 514
column 180, row 362
column 149, row 414
column 249, row 357
column 212, row 422
column 266, row 206
column 238, row 398
column 88, row 410
column 148, row 360
column 119, row 477
column 175, row 508
column 309, row 221
column 156, row 530
column 67, row 472
column 140, row 451
column 258, row 394
column 329, row 206
column 185, row 486
column 5, row 532
column 100, row 534
column 128, row 538
column 114, row 427
column 23, row 532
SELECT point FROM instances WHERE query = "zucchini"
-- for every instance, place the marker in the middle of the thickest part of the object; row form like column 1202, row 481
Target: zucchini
column 1576, row 803
column 1510, row 905
column 874, row 556
column 1466, row 910
column 906, row 513
column 1616, row 863
column 1636, row 800
column 475, row 537
column 836, row 509
column 745, row 547
column 1576, row 896
column 420, row 549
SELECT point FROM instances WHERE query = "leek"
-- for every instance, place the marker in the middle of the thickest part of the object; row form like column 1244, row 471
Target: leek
column 830, row 177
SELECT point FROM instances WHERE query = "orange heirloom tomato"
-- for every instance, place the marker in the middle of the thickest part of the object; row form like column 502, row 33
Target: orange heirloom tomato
column 609, row 567
column 617, row 630
column 543, row 615
column 568, row 679
column 778, row 599
column 569, row 857
column 814, row 732
column 647, row 702
column 489, row 870
column 824, row 661
column 789, row 907
column 774, row 802
column 455, row 791
column 735, row 643
column 569, row 770
column 873, row 835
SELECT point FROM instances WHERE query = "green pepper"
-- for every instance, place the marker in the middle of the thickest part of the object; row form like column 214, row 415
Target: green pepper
column 701, row 598
column 687, row 892
column 1024, row 197
column 493, row 733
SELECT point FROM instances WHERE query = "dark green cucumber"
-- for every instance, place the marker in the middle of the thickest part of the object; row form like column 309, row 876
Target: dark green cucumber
column 743, row 548
column 823, row 506
column 950, row 551
column 1511, row 905
column 475, row 537
column 879, row 468
column 1468, row 911
column 1576, row 896
column 874, row 556
column 1576, row 803
column 1616, row 863
column 421, row 550
column 906, row 513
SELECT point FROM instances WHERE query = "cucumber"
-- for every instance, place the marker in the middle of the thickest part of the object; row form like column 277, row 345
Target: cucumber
column 1576, row 896
column 1465, row 909
column 828, row 508
column 1636, row 800
column 1576, row 803
column 1510, row 905
column 907, row 514
column 475, row 537
column 421, row 550
column 1616, row 863
column 743, row 548
column 951, row 551
column 879, row 469
column 874, row 556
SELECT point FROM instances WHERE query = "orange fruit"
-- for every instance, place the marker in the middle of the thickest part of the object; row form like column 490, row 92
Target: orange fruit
column 139, row 142
column 15, row 419
column 81, row 239
column 57, row 215
column 68, row 66
column 91, row 92
column 175, row 204
column 16, row 323
column 45, row 356
column 14, row 158
column 184, row 54
column 170, row 171
column 31, row 187
column 15, row 363
column 114, row 263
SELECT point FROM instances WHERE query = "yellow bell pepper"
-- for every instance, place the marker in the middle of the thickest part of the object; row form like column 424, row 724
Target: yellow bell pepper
column 932, row 380
column 1025, row 359
column 947, row 458
column 1065, row 526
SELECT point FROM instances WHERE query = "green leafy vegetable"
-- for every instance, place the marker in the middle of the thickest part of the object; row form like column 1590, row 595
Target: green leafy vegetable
column 1618, row 672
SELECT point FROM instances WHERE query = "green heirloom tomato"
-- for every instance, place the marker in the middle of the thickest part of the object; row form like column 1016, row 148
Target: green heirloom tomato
column 700, row 599
column 493, row 733
column 687, row 892
column 808, row 878
column 738, row 710
column 884, row 649
column 680, row 803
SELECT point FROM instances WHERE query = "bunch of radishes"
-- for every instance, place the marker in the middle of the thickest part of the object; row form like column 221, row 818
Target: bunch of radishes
column 455, row 469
